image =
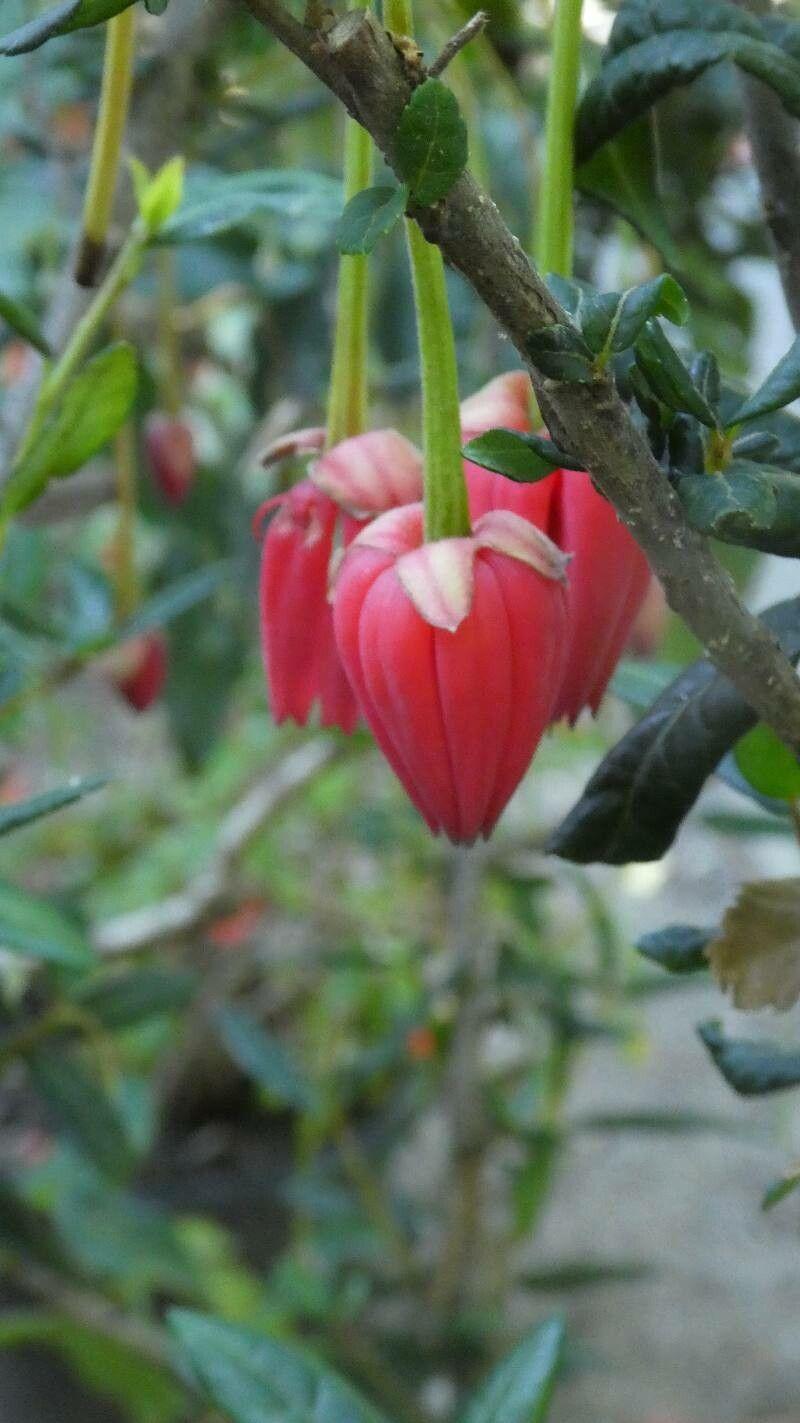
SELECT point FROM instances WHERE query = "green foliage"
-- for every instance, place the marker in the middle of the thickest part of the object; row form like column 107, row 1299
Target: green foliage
column 13, row 817
column 523, row 458
column 60, row 20
column 264, row 1059
column 215, row 202
column 21, row 320
column 520, row 1389
column 679, row 948
column 768, row 765
column 368, row 217
column 30, row 926
column 751, row 1068
column 431, row 143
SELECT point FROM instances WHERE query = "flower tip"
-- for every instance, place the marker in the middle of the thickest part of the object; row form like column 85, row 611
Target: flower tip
column 297, row 442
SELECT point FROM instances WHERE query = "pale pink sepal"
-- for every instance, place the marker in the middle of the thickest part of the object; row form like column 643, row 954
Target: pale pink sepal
column 396, row 532
column 297, row 442
column 439, row 578
column 507, row 532
column 503, row 402
column 370, row 473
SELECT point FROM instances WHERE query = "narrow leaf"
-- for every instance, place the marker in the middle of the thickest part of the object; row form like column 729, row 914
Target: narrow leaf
column 781, row 1188
column 678, row 949
column 583, row 1274
column 519, row 1390
column 80, row 1108
column 21, row 320
column 23, row 812
column 369, row 216
column 781, row 386
column 431, row 146
column 263, row 1058
column 668, row 377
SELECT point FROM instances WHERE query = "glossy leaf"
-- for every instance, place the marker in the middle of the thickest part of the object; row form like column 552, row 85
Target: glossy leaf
column 750, row 1067
column 80, row 1108
column 33, row 927
column 431, row 145
column 623, row 174
column 678, row 948
column 253, row 1378
column 634, row 803
column 24, row 812
column 519, row 1390
column 263, row 1058
column 668, row 377
column 21, row 320
column 752, row 505
column 518, row 457
column 62, row 19
column 613, row 321
column 368, row 217
column 781, row 386
column 561, row 353
column 768, row 765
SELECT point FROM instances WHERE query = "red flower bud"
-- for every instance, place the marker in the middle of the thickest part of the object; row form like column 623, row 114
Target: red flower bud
column 454, row 649
column 141, row 670
column 297, row 642
column 170, row 450
column 608, row 578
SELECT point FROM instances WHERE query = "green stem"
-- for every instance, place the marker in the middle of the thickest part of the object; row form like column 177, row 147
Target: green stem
column 554, row 217
column 111, row 117
column 445, row 490
column 347, row 395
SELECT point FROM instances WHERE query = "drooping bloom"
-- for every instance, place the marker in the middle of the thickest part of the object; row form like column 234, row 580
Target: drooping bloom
column 455, row 650
column 367, row 474
column 608, row 579
column 170, row 451
column 140, row 670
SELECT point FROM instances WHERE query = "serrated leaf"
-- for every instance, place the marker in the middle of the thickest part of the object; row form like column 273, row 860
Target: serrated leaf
column 750, row 1067
column 768, row 765
column 80, row 1109
column 215, row 202
column 431, row 146
column 623, row 174
column 368, row 217
column 31, row 926
column 514, row 455
column 634, row 803
column 781, row 1188
column 678, row 948
column 755, row 956
column 781, row 386
column 561, row 353
column 264, row 1059
column 751, row 505
column 23, row 321
column 253, row 1378
column 519, row 1390
column 94, row 406
column 24, row 812
column 668, row 377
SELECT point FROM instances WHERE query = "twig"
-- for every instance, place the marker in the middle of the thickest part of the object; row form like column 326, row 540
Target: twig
column 180, row 913
column 454, row 46
column 360, row 64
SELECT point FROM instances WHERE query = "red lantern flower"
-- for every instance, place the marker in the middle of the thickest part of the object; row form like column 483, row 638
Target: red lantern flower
column 454, row 649
column 170, row 450
column 140, row 670
column 368, row 474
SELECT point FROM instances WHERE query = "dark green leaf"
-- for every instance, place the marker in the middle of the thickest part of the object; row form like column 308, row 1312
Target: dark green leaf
column 61, row 20
column 623, row 173
column 582, row 1274
column 253, row 1378
column 568, row 293
column 780, row 1189
column 768, row 765
column 21, row 320
column 752, row 505
column 176, row 598
column 757, row 445
column 214, row 202
column 635, row 802
column 781, row 386
column 678, row 949
column 31, row 926
column 561, row 353
column 80, row 1108
column 613, row 321
column 751, row 1068
column 12, row 817
column 658, row 1121
column 638, row 20
column 431, row 146
column 514, row 455
column 263, row 1058
column 519, row 1390
column 668, row 377
column 119, row 999
column 155, row 7
column 369, row 216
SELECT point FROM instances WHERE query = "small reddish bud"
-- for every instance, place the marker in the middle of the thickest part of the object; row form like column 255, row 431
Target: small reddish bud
column 455, row 651
column 232, row 930
column 170, row 451
column 140, row 670
column 421, row 1044
column 608, row 578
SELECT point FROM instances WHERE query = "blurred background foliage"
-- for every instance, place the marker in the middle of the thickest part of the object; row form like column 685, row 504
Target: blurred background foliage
column 268, row 1050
